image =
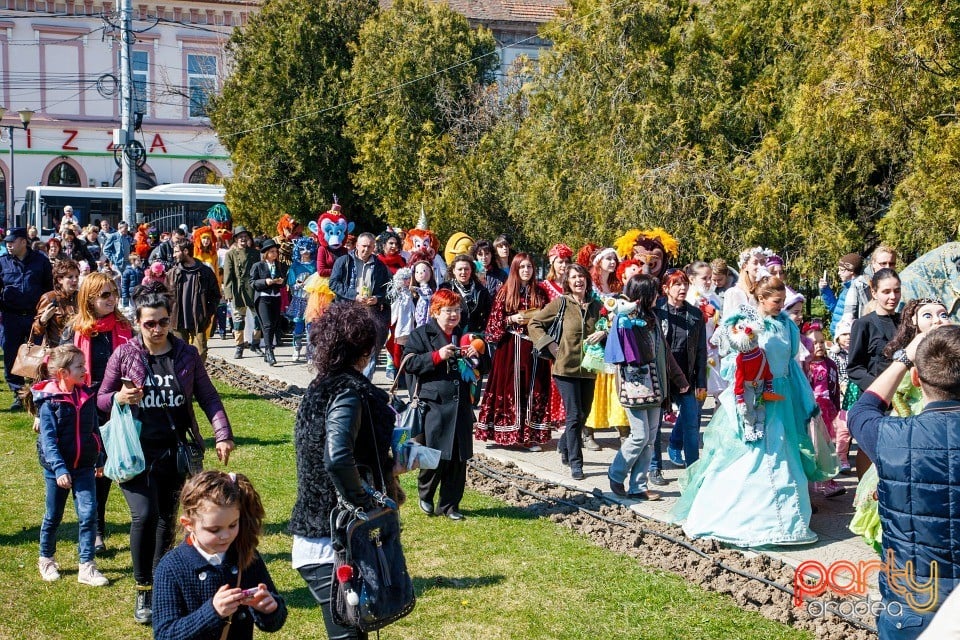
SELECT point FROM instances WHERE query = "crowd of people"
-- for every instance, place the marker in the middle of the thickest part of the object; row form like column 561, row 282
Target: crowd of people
column 499, row 349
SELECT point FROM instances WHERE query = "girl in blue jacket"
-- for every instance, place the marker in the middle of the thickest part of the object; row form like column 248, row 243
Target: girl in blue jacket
column 69, row 449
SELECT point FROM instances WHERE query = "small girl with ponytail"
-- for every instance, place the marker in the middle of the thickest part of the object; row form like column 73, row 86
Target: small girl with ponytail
column 69, row 450
column 215, row 584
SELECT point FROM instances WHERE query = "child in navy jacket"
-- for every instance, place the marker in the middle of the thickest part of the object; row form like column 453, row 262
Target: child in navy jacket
column 215, row 578
column 130, row 279
column 69, row 448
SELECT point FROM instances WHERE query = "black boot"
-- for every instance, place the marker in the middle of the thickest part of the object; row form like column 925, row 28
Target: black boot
column 143, row 607
column 239, row 352
column 255, row 347
column 269, row 359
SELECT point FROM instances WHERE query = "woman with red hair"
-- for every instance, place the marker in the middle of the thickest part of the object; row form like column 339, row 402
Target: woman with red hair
column 515, row 405
column 445, row 391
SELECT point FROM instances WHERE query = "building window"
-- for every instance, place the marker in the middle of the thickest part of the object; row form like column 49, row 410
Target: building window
column 201, row 82
column 203, row 175
column 140, row 61
column 63, row 175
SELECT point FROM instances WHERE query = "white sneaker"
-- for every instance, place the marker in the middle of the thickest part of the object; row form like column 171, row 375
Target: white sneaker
column 89, row 574
column 49, row 570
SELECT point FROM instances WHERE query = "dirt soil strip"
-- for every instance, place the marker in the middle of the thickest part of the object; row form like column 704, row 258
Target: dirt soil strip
column 629, row 533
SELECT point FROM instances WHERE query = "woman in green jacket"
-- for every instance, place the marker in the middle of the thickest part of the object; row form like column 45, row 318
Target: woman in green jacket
column 580, row 312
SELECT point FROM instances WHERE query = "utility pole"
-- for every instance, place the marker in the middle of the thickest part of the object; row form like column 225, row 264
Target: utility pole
column 125, row 135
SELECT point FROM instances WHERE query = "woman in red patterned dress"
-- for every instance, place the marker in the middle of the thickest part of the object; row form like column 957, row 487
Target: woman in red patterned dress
column 515, row 405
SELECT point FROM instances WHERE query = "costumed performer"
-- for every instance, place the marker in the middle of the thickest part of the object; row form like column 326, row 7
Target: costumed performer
column 752, row 494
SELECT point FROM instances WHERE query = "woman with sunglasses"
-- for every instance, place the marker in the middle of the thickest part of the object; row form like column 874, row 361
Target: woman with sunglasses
column 160, row 375
column 98, row 328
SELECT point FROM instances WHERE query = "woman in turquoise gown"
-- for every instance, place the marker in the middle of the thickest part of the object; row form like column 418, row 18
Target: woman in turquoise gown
column 752, row 494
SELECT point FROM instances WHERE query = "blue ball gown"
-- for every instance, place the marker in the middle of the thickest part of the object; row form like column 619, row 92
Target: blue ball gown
column 752, row 494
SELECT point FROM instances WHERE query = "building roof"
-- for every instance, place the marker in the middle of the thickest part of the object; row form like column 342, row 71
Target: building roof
column 530, row 11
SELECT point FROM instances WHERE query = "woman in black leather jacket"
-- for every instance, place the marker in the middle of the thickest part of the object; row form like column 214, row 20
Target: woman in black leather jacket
column 342, row 438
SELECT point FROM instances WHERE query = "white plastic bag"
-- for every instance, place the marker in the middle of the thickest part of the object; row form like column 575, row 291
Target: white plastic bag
column 420, row 457
column 121, row 441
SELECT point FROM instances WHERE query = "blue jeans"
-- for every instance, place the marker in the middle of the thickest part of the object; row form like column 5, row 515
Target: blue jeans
column 686, row 430
column 85, row 501
column 633, row 459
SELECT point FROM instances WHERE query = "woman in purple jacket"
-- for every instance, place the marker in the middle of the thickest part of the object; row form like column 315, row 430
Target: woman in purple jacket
column 160, row 376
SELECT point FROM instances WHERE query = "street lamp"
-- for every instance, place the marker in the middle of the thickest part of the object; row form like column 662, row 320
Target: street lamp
column 25, row 116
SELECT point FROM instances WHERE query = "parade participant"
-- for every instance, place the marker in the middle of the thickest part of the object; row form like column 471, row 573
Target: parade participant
column 403, row 311
column 54, row 251
column 861, row 291
column 502, row 256
column 580, row 313
column 475, row 299
column 751, row 494
column 915, row 457
column 606, row 411
column 422, row 244
column 160, row 376
column 288, row 229
column 237, row 288
column 632, row 461
column 686, row 337
column 222, row 515
column 448, row 420
column 304, row 265
column 98, row 329
column 205, row 250
column 838, row 353
column 848, row 269
column 871, row 333
column 342, row 438
column 267, row 278
column 69, row 448
column 702, row 294
column 359, row 276
column 388, row 250
column 118, row 245
column 482, row 253
column 653, row 248
column 749, row 262
column 130, row 279
column 559, row 258
column 824, row 378
column 516, row 398
column 25, row 275
column 331, row 229
column 56, row 308
column 422, row 289
column 196, row 294
column 918, row 317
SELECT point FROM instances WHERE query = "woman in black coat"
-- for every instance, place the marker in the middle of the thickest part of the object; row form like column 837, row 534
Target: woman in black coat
column 342, row 439
column 448, row 420
column 267, row 278
column 475, row 300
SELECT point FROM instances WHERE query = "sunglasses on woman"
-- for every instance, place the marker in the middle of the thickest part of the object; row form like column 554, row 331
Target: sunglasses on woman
column 153, row 324
column 106, row 295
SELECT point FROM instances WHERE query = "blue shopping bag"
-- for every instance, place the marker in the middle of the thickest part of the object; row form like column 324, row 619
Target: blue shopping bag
column 121, row 442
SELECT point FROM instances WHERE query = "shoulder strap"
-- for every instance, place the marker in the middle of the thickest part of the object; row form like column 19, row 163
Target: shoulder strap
column 415, row 394
column 226, row 627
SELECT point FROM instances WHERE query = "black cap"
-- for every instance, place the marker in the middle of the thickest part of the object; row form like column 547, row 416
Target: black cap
column 16, row 232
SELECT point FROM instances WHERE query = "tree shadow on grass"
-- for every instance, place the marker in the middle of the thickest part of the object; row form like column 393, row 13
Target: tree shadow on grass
column 243, row 441
column 515, row 513
column 240, row 396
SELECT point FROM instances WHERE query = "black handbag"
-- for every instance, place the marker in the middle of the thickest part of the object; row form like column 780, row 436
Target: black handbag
column 555, row 330
column 410, row 415
column 371, row 587
column 189, row 456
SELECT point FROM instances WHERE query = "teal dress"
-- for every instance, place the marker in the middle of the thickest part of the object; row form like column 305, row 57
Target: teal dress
column 752, row 494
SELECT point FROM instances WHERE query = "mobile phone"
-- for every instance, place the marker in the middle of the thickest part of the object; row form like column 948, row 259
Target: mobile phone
column 246, row 594
column 54, row 303
column 128, row 383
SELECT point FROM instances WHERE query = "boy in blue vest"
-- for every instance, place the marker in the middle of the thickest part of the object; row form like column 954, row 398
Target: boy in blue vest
column 918, row 461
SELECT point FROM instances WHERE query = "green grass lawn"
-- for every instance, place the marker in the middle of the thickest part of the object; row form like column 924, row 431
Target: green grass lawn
column 499, row 574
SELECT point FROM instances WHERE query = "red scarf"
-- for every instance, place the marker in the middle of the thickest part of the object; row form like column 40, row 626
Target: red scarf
column 119, row 333
column 393, row 262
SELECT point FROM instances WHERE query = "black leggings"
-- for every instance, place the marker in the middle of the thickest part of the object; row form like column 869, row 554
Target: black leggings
column 152, row 497
column 318, row 578
column 268, row 309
